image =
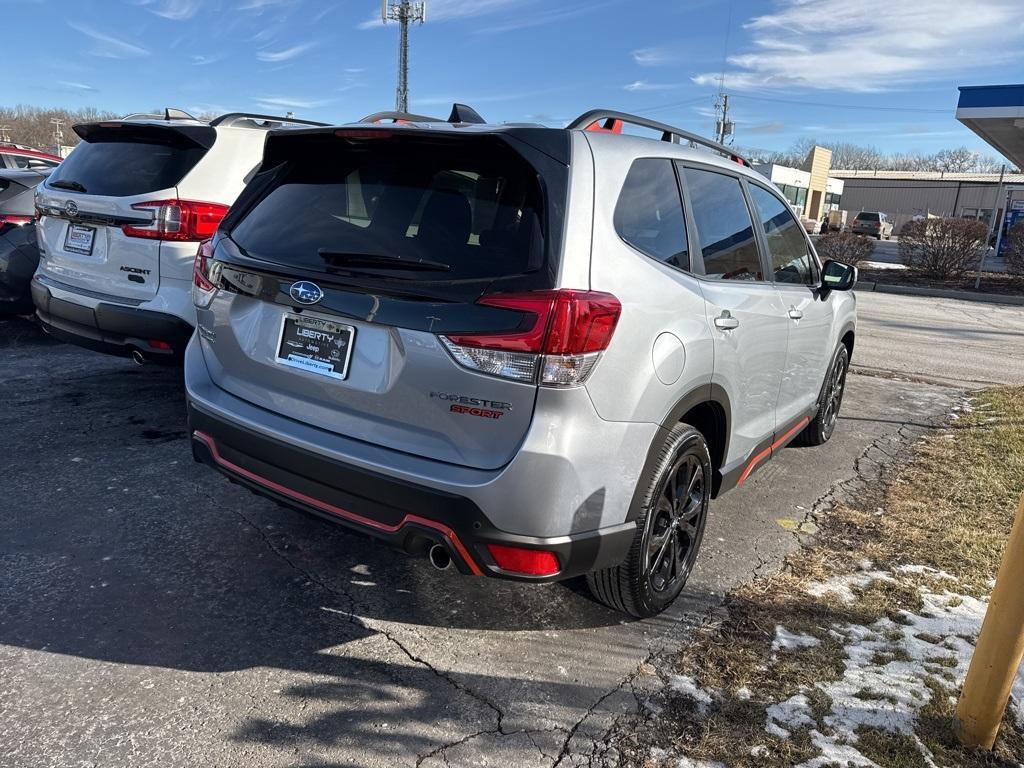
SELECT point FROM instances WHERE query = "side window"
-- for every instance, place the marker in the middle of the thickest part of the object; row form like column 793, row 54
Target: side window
column 791, row 260
column 724, row 229
column 649, row 214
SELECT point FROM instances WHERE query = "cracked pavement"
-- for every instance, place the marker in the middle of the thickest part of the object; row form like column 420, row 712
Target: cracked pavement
column 151, row 613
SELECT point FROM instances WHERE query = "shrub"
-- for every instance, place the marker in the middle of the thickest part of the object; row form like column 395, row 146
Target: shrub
column 943, row 248
column 844, row 246
column 1014, row 249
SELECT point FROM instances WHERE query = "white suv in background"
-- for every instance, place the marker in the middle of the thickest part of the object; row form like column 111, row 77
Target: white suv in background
column 121, row 219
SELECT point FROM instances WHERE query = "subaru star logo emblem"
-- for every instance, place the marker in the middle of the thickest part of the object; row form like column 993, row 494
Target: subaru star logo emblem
column 71, row 208
column 305, row 292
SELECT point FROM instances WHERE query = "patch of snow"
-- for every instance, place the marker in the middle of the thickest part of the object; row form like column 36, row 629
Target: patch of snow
column 743, row 694
column 1017, row 700
column 889, row 668
column 687, row 686
column 759, row 751
column 925, row 570
column 833, row 754
column 842, row 586
column 689, row 762
column 794, row 712
column 792, row 641
column 880, row 265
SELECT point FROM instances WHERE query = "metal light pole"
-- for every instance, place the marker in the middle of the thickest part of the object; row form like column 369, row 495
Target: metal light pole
column 996, row 221
column 404, row 12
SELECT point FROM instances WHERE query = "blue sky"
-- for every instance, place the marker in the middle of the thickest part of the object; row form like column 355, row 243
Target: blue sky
column 849, row 70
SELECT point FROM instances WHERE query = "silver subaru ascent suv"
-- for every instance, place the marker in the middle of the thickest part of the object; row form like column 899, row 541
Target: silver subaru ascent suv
column 534, row 353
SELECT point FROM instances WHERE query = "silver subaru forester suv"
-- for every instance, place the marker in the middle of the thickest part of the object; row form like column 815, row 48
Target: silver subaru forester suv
column 527, row 352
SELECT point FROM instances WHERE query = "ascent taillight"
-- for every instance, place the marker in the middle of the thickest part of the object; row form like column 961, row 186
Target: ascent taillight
column 558, row 340
column 203, row 289
column 178, row 220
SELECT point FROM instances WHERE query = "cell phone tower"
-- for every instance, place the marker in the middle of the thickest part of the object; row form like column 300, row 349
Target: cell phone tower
column 404, row 12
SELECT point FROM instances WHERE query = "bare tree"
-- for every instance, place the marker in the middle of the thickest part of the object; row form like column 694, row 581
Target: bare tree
column 31, row 125
column 959, row 160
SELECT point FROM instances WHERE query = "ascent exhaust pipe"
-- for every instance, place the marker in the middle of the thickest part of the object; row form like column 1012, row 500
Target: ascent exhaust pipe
column 138, row 358
column 439, row 557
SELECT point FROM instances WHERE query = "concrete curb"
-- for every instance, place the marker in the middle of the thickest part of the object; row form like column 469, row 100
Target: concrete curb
column 941, row 293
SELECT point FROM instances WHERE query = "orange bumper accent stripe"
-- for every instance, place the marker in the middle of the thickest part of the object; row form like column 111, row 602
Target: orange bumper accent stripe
column 441, row 528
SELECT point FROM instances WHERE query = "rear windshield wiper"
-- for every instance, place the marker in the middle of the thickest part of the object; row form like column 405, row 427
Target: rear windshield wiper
column 345, row 260
column 72, row 185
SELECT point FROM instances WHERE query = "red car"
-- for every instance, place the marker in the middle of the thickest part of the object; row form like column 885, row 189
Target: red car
column 17, row 156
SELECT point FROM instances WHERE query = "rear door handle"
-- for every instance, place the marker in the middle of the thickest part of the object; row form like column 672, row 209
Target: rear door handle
column 726, row 322
column 795, row 314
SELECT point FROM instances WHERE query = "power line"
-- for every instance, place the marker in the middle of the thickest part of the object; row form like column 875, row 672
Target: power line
column 832, row 105
column 672, row 105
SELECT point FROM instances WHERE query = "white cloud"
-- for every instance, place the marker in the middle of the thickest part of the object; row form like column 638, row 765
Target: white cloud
column 284, row 55
column 288, row 102
column 656, row 56
column 176, row 10
column 107, row 46
column 261, row 5
column 644, row 85
column 76, row 86
column 200, row 59
column 863, row 47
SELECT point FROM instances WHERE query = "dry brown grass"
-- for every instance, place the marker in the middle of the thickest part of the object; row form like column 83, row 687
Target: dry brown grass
column 951, row 509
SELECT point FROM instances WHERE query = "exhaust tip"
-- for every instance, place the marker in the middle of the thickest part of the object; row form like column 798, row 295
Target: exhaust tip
column 439, row 557
column 138, row 358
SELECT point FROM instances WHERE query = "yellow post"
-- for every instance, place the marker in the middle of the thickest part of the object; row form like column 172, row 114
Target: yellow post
column 999, row 652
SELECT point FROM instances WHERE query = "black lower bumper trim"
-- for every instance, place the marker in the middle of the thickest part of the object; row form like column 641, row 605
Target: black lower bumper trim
column 112, row 328
column 406, row 515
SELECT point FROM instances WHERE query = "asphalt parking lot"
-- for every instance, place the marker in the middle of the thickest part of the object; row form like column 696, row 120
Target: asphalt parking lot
column 153, row 614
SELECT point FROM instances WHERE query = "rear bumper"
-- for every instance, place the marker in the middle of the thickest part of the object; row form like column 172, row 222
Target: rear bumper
column 111, row 328
column 408, row 516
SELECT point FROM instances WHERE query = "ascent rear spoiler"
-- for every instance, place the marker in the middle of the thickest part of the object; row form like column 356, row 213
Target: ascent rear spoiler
column 171, row 134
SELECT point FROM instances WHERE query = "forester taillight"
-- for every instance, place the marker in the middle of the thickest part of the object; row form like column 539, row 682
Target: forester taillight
column 558, row 341
column 180, row 220
column 203, row 288
column 7, row 219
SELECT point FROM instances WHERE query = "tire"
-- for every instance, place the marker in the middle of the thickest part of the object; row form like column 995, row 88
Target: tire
column 669, row 531
column 823, row 425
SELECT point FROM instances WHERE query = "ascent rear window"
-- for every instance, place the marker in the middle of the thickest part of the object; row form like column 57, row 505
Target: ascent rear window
column 867, row 216
column 126, row 168
column 467, row 209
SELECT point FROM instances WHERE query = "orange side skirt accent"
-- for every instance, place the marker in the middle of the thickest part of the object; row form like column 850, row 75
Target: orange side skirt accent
column 768, row 451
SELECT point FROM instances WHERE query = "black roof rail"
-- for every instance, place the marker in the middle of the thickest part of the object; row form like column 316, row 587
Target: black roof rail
column 668, row 132
column 396, row 117
column 236, row 116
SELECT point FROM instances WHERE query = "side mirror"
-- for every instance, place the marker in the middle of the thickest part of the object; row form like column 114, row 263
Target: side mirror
column 837, row 276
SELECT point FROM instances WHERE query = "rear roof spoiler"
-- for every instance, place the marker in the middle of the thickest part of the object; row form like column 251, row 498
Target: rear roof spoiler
column 460, row 115
column 183, row 135
column 610, row 121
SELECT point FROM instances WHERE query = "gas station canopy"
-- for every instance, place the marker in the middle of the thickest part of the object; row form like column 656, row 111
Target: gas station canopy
column 996, row 114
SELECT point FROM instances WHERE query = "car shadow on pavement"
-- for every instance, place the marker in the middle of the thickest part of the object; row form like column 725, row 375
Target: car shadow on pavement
column 119, row 547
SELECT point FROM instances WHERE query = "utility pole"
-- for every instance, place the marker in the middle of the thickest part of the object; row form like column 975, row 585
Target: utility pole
column 58, row 134
column 404, row 12
column 723, row 125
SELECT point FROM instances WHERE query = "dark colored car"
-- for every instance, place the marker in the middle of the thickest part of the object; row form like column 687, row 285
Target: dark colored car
column 19, row 254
